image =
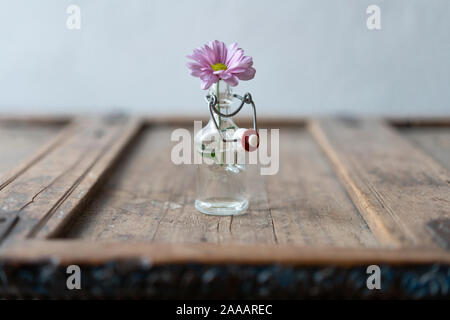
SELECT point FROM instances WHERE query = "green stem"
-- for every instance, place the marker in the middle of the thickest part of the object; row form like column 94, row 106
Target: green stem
column 219, row 118
column 218, row 102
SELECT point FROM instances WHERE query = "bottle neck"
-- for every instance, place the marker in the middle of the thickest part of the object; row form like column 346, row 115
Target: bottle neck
column 223, row 122
column 223, row 93
column 224, row 96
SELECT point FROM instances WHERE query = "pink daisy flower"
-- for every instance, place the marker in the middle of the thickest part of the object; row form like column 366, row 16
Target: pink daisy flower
column 214, row 62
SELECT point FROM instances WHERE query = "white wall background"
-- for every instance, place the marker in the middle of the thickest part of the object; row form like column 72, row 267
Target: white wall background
column 312, row 57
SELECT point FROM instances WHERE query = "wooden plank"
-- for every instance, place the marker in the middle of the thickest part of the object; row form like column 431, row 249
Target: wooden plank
column 396, row 187
column 307, row 202
column 148, row 198
column 256, row 226
column 20, row 140
column 87, row 252
column 24, row 164
column 440, row 229
column 7, row 223
column 38, row 193
column 86, row 188
column 435, row 141
column 137, row 195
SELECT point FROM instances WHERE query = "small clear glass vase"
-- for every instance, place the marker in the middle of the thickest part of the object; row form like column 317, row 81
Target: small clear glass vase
column 221, row 182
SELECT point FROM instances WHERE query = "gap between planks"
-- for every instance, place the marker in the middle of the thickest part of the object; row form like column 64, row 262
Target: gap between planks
column 396, row 187
column 63, row 175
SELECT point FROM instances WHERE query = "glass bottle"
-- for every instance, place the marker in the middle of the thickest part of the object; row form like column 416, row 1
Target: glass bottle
column 221, row 181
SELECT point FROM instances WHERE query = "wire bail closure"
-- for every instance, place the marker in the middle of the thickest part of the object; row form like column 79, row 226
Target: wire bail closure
column 246, row 99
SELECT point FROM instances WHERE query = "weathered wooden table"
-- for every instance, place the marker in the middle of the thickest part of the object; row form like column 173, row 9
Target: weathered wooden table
column 102, row 193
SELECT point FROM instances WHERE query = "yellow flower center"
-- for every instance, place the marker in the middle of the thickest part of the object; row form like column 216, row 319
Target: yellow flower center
column 219, row 66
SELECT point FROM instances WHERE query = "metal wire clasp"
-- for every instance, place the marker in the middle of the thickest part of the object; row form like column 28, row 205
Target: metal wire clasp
column 246, row 99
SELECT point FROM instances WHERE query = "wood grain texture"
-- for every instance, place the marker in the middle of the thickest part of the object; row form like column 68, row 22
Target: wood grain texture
column 19, row 140
column 308, row 204
column 140, row 205
column 85, row 252
column 87, row 185
column 150, row 199
column 435, row 141
column 39, row 192
column 397, row 188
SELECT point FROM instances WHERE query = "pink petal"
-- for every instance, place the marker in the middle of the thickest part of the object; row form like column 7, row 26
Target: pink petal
column 210, row 56
column 232, row 81
column 198, row 56
column 219, row 73
column 247, row 74
column 222, row 52
column 246, row 61
column 237, row 56
column 195, row 73
column 194, row 66
column 231, row 51
column 208, row 83
column 206, row 75
column 205, row 85
column 215, row 47
column 225, row 75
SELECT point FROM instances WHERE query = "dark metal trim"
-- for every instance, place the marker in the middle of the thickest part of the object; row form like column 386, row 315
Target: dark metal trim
column 139, row 279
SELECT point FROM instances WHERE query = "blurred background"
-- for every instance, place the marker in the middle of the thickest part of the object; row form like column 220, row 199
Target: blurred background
column 312, row 57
